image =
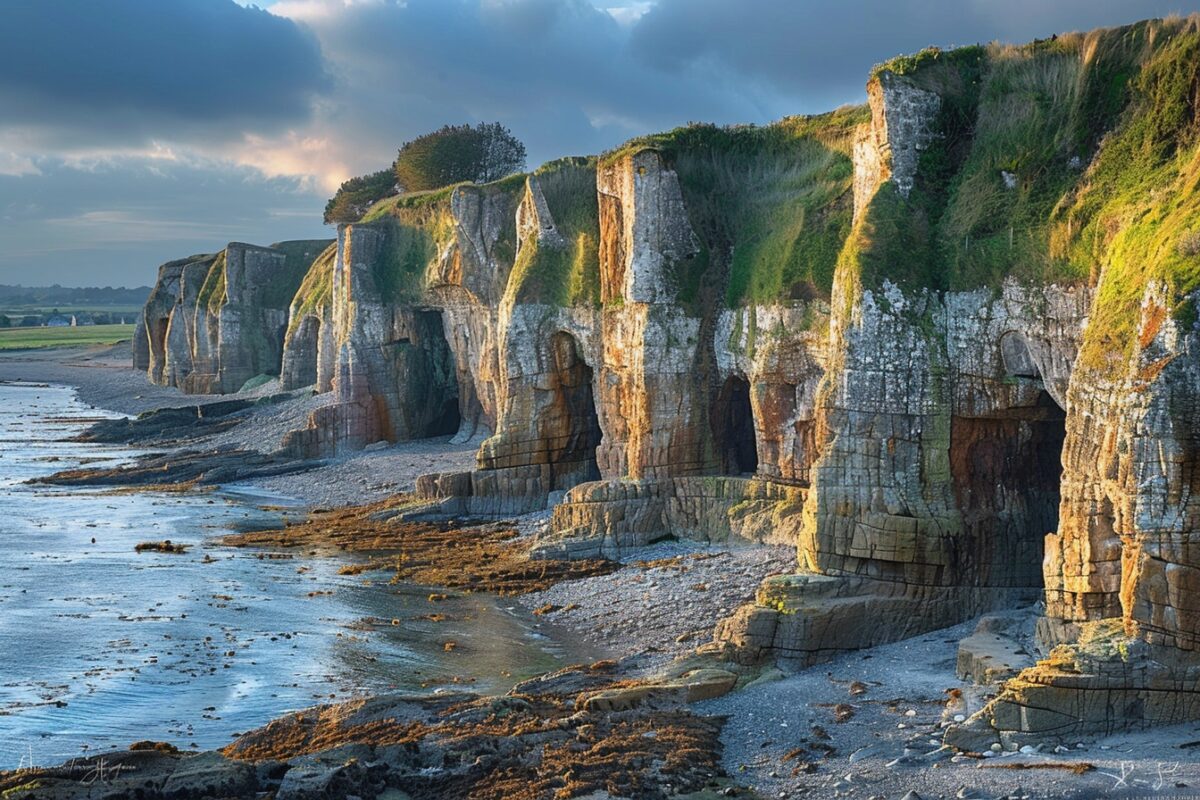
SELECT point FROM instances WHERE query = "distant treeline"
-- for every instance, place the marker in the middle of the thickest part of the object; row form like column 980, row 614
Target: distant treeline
column 12, row 297
column 63, row 319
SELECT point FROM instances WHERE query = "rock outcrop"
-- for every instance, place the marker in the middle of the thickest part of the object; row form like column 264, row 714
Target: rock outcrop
column 214, row 322
column 945, row 344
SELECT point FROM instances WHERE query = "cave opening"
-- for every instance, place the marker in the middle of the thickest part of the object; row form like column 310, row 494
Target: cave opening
column 733, row 428
column 441, row 375
column 1007, row 471
column 570, row 426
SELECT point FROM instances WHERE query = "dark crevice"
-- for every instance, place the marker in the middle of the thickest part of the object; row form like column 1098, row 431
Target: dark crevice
column 571, row 426
column 1006, row 470
column 733, row 428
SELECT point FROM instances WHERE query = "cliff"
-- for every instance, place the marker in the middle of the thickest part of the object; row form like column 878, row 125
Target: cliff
column 945, row 344
column 214, row 322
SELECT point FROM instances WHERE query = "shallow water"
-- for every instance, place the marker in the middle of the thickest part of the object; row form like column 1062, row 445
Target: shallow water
column 101, row 646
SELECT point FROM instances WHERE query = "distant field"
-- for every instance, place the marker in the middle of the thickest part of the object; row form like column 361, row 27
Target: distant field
column 23, row 338
column 18, row 310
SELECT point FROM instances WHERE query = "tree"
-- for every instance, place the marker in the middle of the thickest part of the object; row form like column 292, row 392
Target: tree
column 457, row 153
column 356, row 195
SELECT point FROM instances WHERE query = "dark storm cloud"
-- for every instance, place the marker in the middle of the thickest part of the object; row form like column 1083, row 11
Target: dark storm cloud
column 817, row 53
column 84, row 72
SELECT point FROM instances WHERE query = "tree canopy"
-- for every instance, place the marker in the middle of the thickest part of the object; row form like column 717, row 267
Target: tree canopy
column 356, row 195
column 457, row 153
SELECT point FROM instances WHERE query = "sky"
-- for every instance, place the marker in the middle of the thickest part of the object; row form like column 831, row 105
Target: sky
column 134, row 132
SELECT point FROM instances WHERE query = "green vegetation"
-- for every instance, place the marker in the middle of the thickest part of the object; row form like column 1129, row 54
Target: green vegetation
column 432, row 163
column 926, row 63
column 212, row 292
column 772, row 205
column 457, row 153
column 419, row 225
column 29, row 338
column 1137, row 212
column 568, row 275
column 316, row 290
column 406, row 252
column 300, row 255
column 1057, row 161
column 356, row 195
column 21, row 300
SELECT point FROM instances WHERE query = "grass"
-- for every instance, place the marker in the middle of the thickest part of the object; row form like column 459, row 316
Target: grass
column 1136, row 214
column 925, row 63
column 316, row 290
column 419, row 225
column 212, row 292
column 1097, row 135
column 771, row 205
column 568, row 275
column 30, row 338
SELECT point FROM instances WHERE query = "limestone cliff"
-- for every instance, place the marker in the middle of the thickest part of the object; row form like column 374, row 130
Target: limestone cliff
column 945, row 344
column 213, row 322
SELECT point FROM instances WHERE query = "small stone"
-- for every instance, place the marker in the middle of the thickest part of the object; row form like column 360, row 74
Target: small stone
column 996, row 748
column 912, row 712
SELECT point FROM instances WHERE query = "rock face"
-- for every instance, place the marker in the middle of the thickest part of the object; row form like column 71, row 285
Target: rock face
column 938, row 343
column 213, row 322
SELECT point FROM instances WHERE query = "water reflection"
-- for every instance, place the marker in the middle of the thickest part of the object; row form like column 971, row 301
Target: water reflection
column 100, row 647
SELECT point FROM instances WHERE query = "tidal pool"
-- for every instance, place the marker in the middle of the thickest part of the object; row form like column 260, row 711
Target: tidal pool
column 101, row 646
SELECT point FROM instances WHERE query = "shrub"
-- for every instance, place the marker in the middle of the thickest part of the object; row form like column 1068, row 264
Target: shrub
column 458, row 153
column 356, row 195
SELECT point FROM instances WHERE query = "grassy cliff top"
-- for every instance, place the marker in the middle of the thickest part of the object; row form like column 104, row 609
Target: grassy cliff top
column 419, row 225
column 568, row 274
column 771, row 205
column 1071, row 160
column 1018, row 128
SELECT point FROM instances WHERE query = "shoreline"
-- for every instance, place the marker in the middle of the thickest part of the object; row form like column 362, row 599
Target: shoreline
column 840, row 728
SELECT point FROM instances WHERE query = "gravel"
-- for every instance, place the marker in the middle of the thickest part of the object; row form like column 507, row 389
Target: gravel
column 668, row 609
column 104, row 378
column 368, row 476
column 890, row 744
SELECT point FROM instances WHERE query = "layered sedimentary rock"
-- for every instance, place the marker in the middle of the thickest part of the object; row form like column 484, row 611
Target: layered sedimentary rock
column 150, row 340
column 214, row 322
column 946, row 344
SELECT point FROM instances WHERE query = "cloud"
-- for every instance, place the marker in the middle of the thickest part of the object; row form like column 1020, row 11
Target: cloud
column 81, row 73
column 817, row 54
column 557, row 72
column 16, row 165
column 211, row 120
column 111, row 220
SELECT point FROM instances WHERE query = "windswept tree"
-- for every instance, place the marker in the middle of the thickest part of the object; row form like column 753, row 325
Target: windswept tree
column 356, row 195
column 457, row 153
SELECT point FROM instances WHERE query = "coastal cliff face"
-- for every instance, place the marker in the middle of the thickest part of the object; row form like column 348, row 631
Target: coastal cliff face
column 214, row 322
column 945, row 344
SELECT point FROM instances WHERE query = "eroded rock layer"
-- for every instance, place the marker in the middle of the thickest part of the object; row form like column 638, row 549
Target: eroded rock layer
column 945, row 343
column 214, row 322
